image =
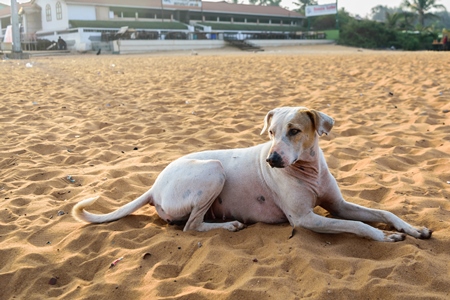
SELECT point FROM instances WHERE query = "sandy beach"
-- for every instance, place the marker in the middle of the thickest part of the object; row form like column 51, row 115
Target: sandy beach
column 82, row 125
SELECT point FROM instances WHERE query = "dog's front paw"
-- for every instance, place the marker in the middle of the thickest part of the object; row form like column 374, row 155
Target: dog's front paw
column 425, row 233
column 394, row 237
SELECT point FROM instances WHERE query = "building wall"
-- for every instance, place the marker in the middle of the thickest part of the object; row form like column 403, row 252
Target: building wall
column 279, row 43
column 79, row 12
column 55, row 22
column 145, row 46
column 101, row 13
column 3, row 27
column 32, row 22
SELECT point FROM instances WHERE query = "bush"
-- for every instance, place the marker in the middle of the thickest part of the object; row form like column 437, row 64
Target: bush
column 323, row 22
column 375, row 35
column 408, row 42
column 426, row 40
column 366, row 34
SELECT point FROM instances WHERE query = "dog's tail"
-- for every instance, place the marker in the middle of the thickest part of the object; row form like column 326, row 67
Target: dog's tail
column 80, row 214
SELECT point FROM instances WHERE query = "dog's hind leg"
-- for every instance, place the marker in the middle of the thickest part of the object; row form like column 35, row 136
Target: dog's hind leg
column 186, row 189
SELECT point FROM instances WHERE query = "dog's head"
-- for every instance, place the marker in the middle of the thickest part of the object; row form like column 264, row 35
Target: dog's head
column 293, row 131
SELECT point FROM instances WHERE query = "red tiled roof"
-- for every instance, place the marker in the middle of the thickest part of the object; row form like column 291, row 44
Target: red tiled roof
column 248, row 9
column 217, row 7
column 6, row 11
column 129, row 3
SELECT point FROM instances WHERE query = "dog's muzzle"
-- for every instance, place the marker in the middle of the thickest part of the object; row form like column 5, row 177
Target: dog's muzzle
column 275, row 160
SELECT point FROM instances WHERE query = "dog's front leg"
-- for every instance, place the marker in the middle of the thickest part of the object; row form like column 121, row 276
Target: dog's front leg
column 347, row 210
column 338, row 207
column 322, row 224
column 300, row 214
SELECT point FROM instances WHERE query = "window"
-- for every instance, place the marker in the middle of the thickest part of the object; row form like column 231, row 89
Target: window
column 48, row 12
column 58, row 11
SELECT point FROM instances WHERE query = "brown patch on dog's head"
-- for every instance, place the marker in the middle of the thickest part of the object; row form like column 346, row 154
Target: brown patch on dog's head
column 293, row 132
column 322, row 122
column 301, row 129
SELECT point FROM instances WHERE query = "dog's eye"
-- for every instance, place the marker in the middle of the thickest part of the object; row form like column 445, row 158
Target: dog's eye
column 271, row 133
column 294, row 131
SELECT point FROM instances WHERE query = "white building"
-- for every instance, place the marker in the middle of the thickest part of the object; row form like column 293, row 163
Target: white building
column 81, row 22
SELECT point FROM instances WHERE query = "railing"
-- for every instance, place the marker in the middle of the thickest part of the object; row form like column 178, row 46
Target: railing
column 274, row 36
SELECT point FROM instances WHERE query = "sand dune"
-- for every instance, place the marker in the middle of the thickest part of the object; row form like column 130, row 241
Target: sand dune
column 77, row 126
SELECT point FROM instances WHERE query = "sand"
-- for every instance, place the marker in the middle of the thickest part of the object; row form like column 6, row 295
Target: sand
column 112, row 123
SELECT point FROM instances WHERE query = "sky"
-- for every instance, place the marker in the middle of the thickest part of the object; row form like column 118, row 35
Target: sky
column 354, row 7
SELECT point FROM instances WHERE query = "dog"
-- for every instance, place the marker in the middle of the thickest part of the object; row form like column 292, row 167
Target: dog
column 279, row 181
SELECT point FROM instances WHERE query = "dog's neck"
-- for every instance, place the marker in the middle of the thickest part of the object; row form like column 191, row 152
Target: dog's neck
column 310, row 160
column 311, row 168
column 312, row 153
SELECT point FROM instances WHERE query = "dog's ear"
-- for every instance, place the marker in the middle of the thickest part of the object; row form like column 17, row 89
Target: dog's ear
column 322, row 122
column 267, row 121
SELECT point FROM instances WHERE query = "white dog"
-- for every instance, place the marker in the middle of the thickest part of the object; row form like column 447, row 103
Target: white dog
column 278, row 181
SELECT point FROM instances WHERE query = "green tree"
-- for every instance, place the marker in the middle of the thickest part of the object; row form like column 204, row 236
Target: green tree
column 407, row 21
column 422, row 8
column 302, row 5
column 392, row 20
column 378, row 13
column 366, row 34
column 442, row 22
column 399, row 20
column 273, row 2
column 376, row 35
column 329, row 21
column 265, row 2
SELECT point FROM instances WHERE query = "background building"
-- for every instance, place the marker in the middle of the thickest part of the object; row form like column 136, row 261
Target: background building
column 82, row 23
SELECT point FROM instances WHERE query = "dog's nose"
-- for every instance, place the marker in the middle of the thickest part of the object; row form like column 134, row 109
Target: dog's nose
column 275, row 160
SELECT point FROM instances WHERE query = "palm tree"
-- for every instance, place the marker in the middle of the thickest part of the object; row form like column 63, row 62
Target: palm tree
column 393, row 19
column 407, row 20
column 378, row 13
column 421, row 7
column 302, row 5
column 273, row 2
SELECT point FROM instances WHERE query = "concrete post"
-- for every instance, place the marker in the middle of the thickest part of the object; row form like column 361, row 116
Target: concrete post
column 16, row 47
column 16, row 52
